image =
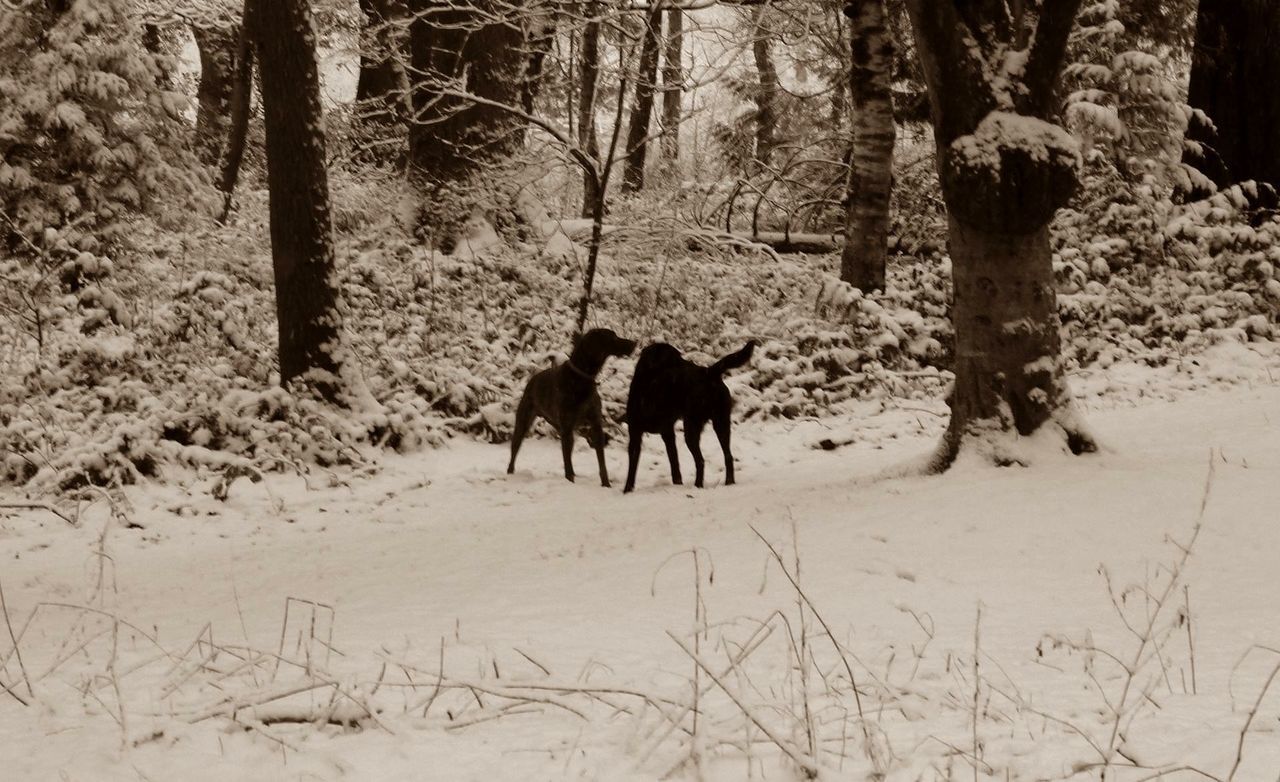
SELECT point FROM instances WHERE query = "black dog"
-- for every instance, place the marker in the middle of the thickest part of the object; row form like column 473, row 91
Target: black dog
column 667, row 387
column 566, row 396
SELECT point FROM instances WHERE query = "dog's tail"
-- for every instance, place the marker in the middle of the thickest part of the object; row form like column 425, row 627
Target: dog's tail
column 734, row 360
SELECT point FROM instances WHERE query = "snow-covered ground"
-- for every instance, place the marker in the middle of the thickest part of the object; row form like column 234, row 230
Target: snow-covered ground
column 559, row 611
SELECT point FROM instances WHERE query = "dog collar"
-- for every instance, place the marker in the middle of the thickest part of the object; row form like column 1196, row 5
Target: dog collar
column 575, row 370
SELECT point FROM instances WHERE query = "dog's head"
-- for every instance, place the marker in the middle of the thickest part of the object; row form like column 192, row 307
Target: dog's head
column 603, row 342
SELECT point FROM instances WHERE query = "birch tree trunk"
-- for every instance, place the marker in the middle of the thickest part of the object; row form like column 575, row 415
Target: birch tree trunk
column 672, row 87
column 866, row 232
column 307, row 308
column 767, row 89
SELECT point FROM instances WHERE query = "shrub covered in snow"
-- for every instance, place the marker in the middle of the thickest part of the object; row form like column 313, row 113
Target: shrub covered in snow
column 1140, row 277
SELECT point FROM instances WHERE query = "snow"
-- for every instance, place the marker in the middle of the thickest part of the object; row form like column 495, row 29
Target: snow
column 440, row 552
column 1001, row 132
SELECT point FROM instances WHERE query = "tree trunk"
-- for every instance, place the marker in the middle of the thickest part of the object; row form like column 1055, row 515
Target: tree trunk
column 1005, row 167
column 1007, row 342
column 381, row 84
column 589, row 76
column 642, row 108
column 457, row 48
column 217, row 47
column 766, row 90
column 1236, row 56
column 866, row 233
column 307, row 306
column 540, row 39
column 241, row 93
column 672, row 87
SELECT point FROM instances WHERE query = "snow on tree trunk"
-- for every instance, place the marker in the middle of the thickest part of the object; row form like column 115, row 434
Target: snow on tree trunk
column 217, row 46
column 307, row 304
column 1006, row 167
column 381, row 84
column 642, row 107
column 672, row 86
column 1235, row 63
column 589, row 77
column 862, row 260
column 766, row 90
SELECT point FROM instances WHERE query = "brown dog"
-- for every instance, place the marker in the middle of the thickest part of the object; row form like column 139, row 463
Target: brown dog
column 565, row 396
column 666, row 388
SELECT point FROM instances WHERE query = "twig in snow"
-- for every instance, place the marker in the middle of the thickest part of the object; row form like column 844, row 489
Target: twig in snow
column 853, row 682
column 540, row 666
column 977, row 681
column 14, row 638
column 1191, row 641
column 806, row 765
column 38, row 506
column 1249, row 722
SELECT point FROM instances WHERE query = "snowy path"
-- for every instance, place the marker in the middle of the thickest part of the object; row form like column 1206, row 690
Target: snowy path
column 444, row 545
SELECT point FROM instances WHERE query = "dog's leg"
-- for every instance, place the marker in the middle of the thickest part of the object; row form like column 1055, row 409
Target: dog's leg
column 566, row 448
column 597, row 442
column 567, row 451
column 673, row 456
column 721, row 425
column 692, row 436
column 524, row 419
column 635, row 436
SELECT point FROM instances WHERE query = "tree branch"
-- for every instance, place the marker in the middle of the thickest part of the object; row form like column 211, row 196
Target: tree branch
column 959, row 91
column 1048, row 50
column 580, row 156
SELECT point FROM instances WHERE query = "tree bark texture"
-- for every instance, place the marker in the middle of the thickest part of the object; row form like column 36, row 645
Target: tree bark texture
column 540, row 39
column 672, row 86
column 1235, row 64
column 455, row 47
column 217, row 47
column 1006, row 325
column 1006, row 167
column 642, row 107
column 767, row 89
column 589, row 77
column 382, row 84
column 862, row 261
column 238, row 135
column 301, row 236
